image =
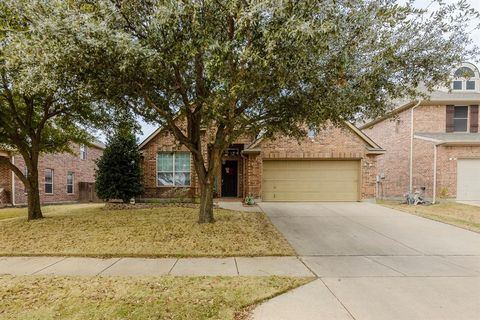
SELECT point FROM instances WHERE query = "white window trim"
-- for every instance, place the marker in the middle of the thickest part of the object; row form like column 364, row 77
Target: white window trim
column 73, row 182
column 83, row 153
column 45, row 182
column 173, row 159
column 468, row 120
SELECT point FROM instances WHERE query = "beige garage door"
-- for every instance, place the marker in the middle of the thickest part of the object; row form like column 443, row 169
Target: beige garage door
column 305, row 180
column 468, row 179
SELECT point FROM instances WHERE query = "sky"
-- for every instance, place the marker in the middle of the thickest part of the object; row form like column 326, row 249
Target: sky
column 147, row 129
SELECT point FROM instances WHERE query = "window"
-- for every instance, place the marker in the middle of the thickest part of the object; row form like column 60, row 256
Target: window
column 83, row 152
column 470, row 84
column 173, row 169
column 49, row 181
column 460, row 119
column 25, row 172
column 457, row 85
column 464, row 79
column 70, row 179
column 312, row 133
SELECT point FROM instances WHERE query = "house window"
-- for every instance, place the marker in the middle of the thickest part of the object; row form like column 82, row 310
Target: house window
column 312, row 133
column 457, row 85
column 48, row 181
column 25, row 172
column 460, row 119
column 464, row 79
column 83, row 152
column 70, row 179
column 470, row 84
column 173, row 169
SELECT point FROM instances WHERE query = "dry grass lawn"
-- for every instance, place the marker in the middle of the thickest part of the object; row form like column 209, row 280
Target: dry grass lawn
column 136, row 298
column 89, row 230
column 460, row 215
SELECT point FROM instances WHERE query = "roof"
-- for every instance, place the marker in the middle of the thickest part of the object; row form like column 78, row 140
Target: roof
column 372, row 146
column 98, row 144
column 454, row 138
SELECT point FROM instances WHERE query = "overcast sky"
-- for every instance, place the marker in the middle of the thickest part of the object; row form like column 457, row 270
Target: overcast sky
column 147, row 129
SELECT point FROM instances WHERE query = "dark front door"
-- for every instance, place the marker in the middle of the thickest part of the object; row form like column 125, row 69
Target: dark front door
column 229, row 178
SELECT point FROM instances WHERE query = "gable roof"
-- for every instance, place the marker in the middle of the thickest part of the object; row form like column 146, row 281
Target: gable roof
column 149, row 138
column 373, row 147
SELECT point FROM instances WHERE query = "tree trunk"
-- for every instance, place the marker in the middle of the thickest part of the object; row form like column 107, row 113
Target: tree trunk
column 34, row 209
column 206, row 201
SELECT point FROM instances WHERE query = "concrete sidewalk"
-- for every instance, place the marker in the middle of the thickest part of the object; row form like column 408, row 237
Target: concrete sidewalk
column 76, row 266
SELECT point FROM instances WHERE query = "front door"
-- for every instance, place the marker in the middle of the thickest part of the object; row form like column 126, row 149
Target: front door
column 229, row 178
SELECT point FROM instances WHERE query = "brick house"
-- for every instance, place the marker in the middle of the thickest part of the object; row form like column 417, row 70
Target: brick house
column 59, row 174
column 335, row 164
column 433, row 144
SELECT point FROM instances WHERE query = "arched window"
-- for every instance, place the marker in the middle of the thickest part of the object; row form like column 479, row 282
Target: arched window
column 465, row 79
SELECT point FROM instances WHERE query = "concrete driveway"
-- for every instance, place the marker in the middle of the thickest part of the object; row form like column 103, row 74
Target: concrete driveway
column 376, row 263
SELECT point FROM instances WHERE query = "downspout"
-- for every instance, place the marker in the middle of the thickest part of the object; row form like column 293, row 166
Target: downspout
column 411, row 145
column 434, row 197
column 13, row 182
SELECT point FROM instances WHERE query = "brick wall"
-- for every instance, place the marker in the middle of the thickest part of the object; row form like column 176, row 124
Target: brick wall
column 61, row 163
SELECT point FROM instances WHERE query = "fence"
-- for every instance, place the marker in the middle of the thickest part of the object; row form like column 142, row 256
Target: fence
column 86, row 191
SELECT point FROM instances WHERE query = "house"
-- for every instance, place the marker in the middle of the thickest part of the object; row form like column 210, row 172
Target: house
column 433, row 144
column 60, row 175
column 335, row 164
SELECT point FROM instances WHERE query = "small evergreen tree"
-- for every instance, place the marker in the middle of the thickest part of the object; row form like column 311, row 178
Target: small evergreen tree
column 118, row 175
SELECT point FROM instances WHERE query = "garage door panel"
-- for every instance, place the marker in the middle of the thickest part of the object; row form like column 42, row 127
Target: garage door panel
column 468, row 179
column 310, row 180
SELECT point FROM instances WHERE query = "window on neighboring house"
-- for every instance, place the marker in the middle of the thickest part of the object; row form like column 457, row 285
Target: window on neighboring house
column 464, row 79
column 460, row 119
column 70, row 179
column 25, row 172
column 83, row 152
column 312, row 133
column 173, row 169
column 48, row 181
column 470, row 84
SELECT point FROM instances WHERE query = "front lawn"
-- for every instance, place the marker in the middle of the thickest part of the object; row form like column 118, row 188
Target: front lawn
column 458, row 214
column 8, row 213
column 89, row 230
column 136, row 298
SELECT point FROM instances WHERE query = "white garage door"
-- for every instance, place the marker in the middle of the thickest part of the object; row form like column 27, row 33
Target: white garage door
column 468, row 179
column 310, row 180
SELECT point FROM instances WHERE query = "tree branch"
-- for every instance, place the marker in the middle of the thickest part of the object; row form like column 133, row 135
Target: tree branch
column 15, row 169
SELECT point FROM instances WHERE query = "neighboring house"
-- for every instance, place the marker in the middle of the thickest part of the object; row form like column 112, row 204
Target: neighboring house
column 433, row 144
column 336, row 164
column 60, row 175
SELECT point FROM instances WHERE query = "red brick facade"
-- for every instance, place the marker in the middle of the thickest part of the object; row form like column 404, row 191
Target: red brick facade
column 61, row 164
column 394, row 135
column 330, row 144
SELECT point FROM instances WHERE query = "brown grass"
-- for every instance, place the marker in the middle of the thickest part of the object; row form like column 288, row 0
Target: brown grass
column 82, row 230
column 136, row 298
column 458, row 214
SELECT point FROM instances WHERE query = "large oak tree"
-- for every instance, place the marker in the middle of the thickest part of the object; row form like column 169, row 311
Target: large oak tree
column 244, row 66
column 42, row 108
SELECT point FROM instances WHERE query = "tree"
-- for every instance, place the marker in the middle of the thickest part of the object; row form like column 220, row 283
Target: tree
column 119, row 174
column 41, row 108
column 240, row 67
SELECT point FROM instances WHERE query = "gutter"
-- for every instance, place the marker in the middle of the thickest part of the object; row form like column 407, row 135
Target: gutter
column 411, row 144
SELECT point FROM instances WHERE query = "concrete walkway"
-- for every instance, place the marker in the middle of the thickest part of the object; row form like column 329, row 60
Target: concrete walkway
column 376, row 263
column 75, row 266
